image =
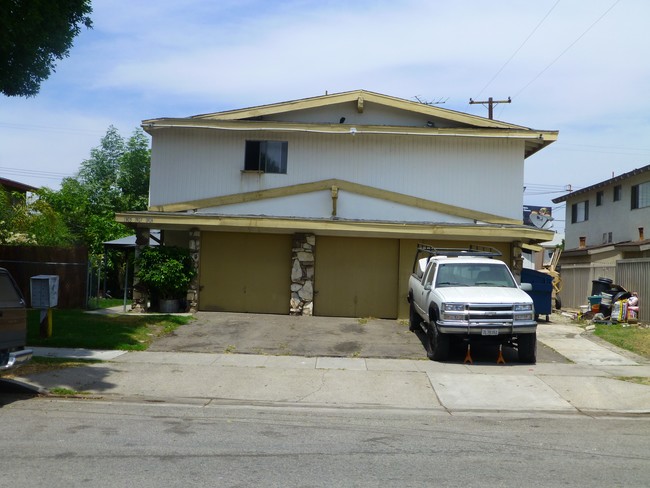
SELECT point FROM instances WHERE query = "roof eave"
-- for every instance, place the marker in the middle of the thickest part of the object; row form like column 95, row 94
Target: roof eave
column 603, row 184
column 486, row 232
column 535, row 139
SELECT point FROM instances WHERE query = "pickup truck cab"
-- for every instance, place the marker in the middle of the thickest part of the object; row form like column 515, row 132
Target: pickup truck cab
column 13, row 324
column 465, row 295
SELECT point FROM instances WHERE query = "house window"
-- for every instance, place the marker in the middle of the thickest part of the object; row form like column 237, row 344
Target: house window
column 580, row 212
column 641, row 195
column 618, row 191
column 266, row 156
column 599, row 198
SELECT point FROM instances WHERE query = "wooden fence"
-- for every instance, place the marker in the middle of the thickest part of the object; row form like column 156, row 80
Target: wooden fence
column 70, row 264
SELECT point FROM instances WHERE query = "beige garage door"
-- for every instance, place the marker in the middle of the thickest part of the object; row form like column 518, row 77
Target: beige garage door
column 245, row 272
column 356, row 277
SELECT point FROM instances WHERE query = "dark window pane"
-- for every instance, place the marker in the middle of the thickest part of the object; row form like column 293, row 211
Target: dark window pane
column 252, row 157
column 266, row 156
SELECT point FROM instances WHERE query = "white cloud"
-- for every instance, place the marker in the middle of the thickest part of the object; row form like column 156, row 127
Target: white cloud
column 169, row 58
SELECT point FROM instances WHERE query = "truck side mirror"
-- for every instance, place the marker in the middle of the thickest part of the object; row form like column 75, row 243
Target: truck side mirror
column 526, row 287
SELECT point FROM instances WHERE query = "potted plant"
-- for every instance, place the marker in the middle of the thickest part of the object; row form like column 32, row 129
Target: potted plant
column 165, row 272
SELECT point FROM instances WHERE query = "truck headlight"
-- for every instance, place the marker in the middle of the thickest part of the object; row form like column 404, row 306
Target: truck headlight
column 453, row 311
column 523, row 307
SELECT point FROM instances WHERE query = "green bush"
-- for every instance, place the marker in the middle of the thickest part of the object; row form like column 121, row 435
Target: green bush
column 165, row 271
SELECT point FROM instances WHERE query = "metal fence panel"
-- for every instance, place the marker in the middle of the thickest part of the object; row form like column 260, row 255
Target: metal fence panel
column 577, row 281
column 634, row 275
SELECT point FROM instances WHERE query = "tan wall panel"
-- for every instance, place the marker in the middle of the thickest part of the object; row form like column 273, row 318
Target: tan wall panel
column 356, row 277
column 242, row 272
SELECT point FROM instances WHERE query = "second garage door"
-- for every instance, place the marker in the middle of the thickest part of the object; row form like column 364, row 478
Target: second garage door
column 245, row 272
column 356, row 277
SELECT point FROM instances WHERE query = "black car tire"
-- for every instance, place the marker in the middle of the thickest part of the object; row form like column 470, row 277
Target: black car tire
column 527, row 347
column 438, row 344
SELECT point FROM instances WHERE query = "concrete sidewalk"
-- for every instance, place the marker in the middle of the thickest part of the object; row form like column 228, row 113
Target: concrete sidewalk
column 590, row 385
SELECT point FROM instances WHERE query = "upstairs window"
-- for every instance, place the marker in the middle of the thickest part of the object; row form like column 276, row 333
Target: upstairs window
column 580, row 212
column 618, row 191
column 641, row 195
column 599, row 198
column 266, row 156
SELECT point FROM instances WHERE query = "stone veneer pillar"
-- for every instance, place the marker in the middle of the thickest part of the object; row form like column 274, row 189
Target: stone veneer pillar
column 195, row 253
column 302, row 274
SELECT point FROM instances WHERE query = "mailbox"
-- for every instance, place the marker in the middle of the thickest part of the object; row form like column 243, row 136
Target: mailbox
column 44, row 291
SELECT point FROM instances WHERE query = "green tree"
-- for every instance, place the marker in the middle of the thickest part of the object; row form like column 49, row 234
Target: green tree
column 31, row 222
column 33, row 35
column 134, row 172
column 98, row 175
column 114, row 179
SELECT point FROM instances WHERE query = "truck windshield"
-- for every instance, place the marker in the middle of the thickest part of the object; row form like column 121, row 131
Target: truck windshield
column 474, row 274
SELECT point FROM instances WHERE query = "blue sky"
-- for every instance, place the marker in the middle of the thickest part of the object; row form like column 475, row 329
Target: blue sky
column 577, row 66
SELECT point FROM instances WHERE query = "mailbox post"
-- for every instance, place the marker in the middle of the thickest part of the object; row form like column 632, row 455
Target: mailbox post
column 45, row 296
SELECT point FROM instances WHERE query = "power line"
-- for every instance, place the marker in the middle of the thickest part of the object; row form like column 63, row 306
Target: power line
column 518, row 49
column 53, row 175
column 567, row 48
column 12, row 125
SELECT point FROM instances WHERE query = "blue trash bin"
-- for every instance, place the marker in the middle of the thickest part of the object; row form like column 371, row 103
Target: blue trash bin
column 542, row 292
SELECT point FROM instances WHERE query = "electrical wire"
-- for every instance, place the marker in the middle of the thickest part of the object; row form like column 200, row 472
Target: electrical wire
column 52, row 175
column 11, row 125
column 567, row 48
column 517, row 50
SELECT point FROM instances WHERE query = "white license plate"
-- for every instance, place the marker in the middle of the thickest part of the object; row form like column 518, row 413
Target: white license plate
column 489, row 332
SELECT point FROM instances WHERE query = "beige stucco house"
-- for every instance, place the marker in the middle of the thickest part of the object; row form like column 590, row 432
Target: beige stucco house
column 317, row 205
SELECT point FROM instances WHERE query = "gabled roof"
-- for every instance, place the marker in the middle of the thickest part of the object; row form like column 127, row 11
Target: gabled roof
column 461, row 124
column 603, row 184
column 359, row 97
column 16, row 185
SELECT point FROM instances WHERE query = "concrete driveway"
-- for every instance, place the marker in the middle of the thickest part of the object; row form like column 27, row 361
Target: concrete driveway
column 243, row 333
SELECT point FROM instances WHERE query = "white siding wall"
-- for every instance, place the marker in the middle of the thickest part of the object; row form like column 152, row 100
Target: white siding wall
column 615, row 217
column 373, row 114
column 480, row 174
column 349, row 206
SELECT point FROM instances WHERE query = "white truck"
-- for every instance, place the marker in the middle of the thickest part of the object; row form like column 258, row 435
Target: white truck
column 465, row 295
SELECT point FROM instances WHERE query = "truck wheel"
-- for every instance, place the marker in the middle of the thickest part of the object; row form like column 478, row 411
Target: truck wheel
column 438, row 344
column 527, row 346
column 414, row 319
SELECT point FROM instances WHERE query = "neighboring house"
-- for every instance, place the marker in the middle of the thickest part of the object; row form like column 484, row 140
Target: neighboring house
column 16, row 187
column 608, row 235
column 611, row 216
column 317, row 205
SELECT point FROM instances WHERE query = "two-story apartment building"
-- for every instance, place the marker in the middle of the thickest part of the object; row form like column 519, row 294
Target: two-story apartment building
column 608, row 235
column 317, row 205
column 613, row 215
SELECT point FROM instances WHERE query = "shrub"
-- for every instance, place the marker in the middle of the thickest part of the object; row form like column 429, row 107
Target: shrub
column 165, row 271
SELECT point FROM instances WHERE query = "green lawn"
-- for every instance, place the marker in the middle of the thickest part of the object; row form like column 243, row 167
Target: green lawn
column 635, row 339
column 76, row 328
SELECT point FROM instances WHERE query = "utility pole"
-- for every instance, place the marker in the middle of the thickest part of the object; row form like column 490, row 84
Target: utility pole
column 490, row 103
